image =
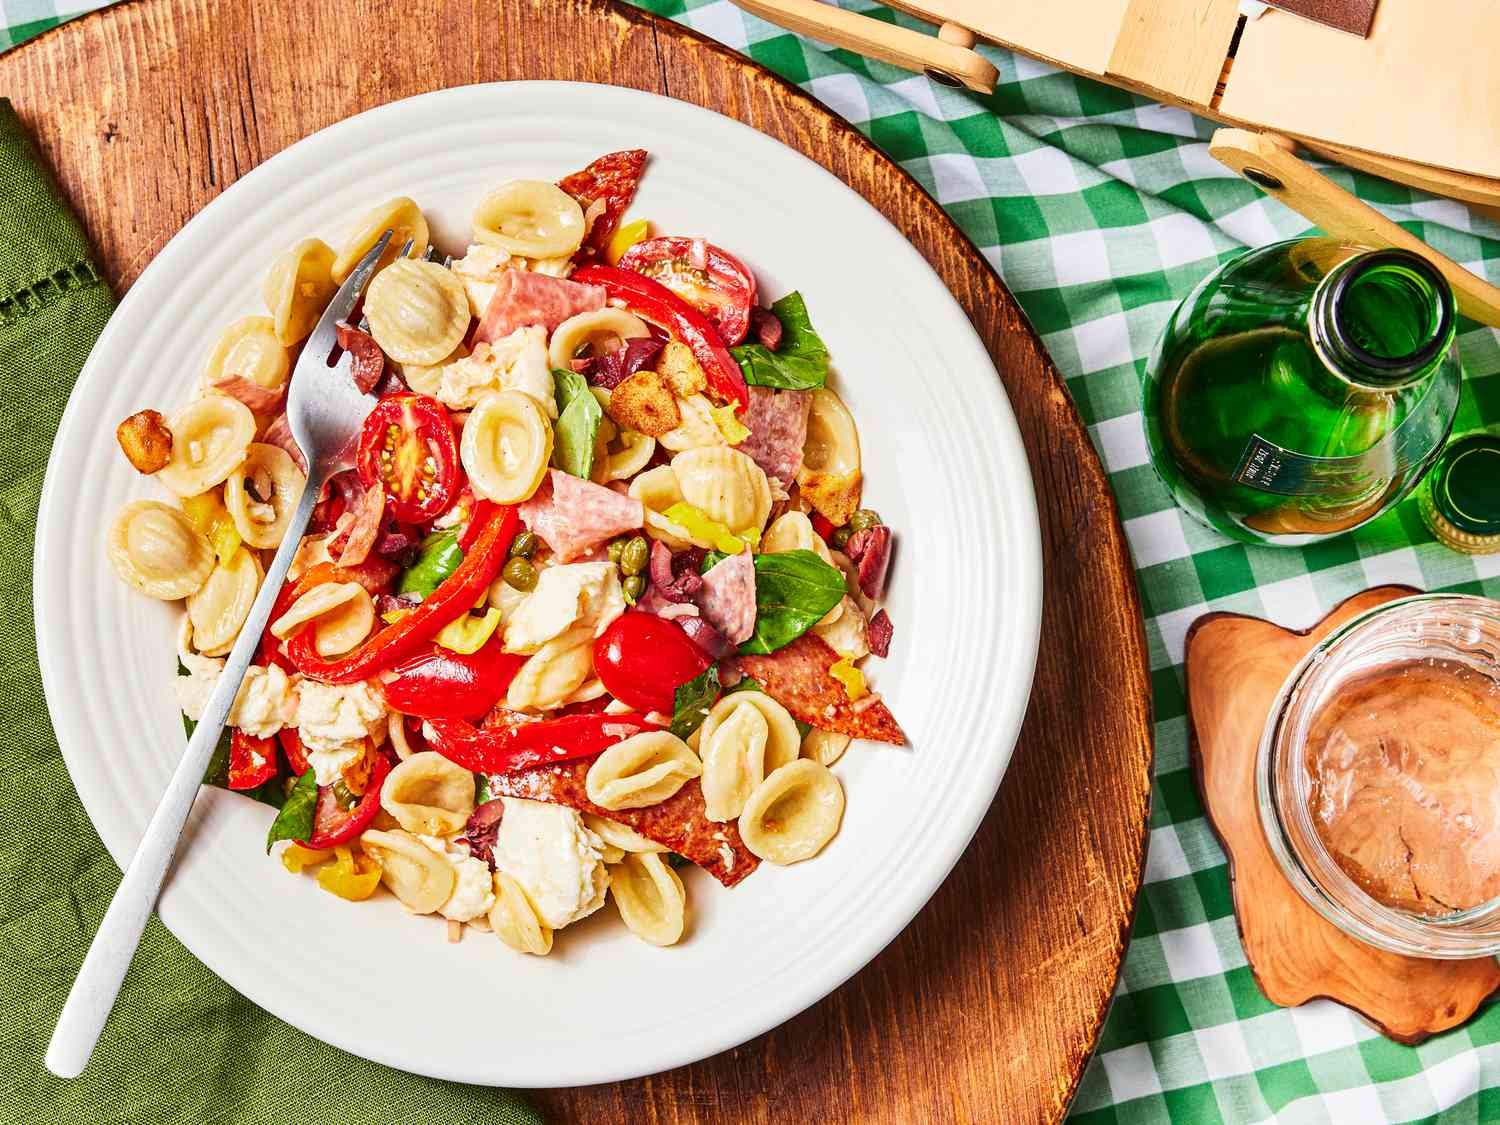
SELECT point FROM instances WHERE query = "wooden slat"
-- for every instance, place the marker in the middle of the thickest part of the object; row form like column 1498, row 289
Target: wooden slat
column 1174, row 47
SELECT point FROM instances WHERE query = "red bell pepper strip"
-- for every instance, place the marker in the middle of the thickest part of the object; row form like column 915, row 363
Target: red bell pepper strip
column 477, row 518
column 511, row 748
column 252, row 761
column 413, row 630
column 823, row 526
column 334, row 825
column 291, row 746
column 442, row 684
column 374, row 574
column 657, row 303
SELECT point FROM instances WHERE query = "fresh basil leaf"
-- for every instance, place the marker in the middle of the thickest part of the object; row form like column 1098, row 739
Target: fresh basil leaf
column 794, row 590
column 295, row 820
column 799, row 364
column 675, row 860
column 481, row 788
column 577, row 425
column 710, row 559
column 271, row 792
column 437, row 558
column 694, row 698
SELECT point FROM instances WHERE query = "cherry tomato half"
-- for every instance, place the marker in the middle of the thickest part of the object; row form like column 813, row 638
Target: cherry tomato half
column 407, row 447
column 713, row 281
column 252, row 761
column 441, row 684
column 643, row 659
column 333, row 824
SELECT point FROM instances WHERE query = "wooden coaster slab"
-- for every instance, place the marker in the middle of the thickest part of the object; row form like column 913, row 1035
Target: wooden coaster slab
column 1235, row 667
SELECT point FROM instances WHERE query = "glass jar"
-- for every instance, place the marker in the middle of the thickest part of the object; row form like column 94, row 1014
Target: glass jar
column 1302, row 389
column 1427, row 632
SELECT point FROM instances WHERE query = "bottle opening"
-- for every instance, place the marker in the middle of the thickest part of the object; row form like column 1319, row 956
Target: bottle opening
column 1392, row 314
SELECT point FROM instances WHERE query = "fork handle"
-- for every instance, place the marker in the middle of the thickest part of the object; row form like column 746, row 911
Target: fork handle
column 98, row 981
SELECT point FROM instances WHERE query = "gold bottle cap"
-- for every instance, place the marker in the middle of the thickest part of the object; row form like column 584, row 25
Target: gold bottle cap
column 1460, row 500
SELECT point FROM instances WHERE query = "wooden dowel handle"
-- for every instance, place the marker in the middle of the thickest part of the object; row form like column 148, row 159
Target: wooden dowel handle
column 945, row 58
column 1268, row 163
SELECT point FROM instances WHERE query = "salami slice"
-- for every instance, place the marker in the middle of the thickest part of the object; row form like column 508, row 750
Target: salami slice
column 261, row 400
column 797, row 677
column 613, row 179
column 366, row 360
column 678, row 822
column 777, row 421
column 522, row 299
column 574, row 515
column 367, row 506
column 727, row 596
column 279, row 434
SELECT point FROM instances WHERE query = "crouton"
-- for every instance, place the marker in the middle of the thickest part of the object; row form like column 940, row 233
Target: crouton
column 146, row 441
column 645, row 403
column 679, row 367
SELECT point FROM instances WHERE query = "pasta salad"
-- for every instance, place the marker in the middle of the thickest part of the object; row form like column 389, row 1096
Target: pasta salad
column 592, row 605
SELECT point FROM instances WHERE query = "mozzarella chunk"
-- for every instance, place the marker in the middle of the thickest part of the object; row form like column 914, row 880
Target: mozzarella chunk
column 334, row 720
column 556, row 859
column 473, row 888
column 573, row 594
column 516, row 363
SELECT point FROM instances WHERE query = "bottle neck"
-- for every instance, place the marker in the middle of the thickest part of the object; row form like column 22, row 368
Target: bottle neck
column 1383, row 320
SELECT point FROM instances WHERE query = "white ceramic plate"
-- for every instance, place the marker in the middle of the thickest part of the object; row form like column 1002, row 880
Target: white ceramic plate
column 943, row 464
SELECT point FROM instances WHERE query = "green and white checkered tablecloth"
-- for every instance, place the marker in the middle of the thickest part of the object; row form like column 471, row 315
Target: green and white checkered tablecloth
column 1101, row 210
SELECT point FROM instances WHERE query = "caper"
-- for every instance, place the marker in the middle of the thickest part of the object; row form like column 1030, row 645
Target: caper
column 344, row 795
column 635, row 586
column 616, row 549
column 519, row 574
column 863, row 519
column 524, row 546
column 841, row 537
column 635, row 556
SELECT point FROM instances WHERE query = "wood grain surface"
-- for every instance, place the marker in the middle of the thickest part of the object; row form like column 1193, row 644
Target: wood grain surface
column 987, row 1007
column 1235, row 667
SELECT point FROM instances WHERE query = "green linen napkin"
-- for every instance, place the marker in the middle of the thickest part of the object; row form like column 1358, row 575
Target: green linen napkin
column 181, row 1045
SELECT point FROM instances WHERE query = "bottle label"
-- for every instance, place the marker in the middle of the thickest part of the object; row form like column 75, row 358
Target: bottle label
column 1271, row 468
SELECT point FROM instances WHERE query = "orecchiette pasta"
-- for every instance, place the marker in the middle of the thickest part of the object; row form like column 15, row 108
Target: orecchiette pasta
column 429, row 795
column 250, row 349
column 219, row 607
column 210, row 437
column 824, row 746
column 155, row 549
column 395, row 729
column 417, row 310
column 793, row 813
column 343, row 611
column 621, row 836
column 846, row 633
column 657, row 490
column 413, row 872
column 651, row 898
column 514, row 919
column 554, row 672
column 697, row 428
column 734, row 762
column 783, row 740
column 618, row 454
column 506, row 444
column 261, row 494
column 530, row 217
column 298, row 288
column 644, row 769
column 401, row 216
column 597, row 331
column 830, row 473
column 426, row 379
column 725, row 485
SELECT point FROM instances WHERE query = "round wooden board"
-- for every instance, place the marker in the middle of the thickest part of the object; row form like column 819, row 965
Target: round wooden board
column 987, row 1007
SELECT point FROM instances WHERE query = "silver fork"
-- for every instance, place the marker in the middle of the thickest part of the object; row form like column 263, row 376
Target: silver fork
column 325, row 411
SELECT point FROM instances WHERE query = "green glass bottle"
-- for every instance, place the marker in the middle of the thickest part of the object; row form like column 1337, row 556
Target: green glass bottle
column 1302, row 389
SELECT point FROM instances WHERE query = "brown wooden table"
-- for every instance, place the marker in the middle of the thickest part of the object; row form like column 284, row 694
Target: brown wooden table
column 987, row 1007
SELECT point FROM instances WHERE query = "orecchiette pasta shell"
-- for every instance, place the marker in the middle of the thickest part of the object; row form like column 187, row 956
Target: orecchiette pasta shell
column 619, row 454
column 530, row 217
column 210, row 438
column 158, row 551
column 299, row 287
column 344, row 629
column 644, row 769
column 322, row 599
column 832, row 444
column 395, row 729
column 429, row 795
column 824, row 746
column 621, row 836
column 418, row 312
column 413, row 872
column 251, row 349
column 725, row 485
column 734, row 762
column 426, row 379
column 263, row 465
column 514, row 919
column 401, row 216
column 657, row 491
column 845, row 630
column 219, row 608
column 506, row 444
column 697, row 428
column 598, row 330
column 554, row 672
column 793, row 813
column 793, row 531
column 651, row 898
column 783, row 739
